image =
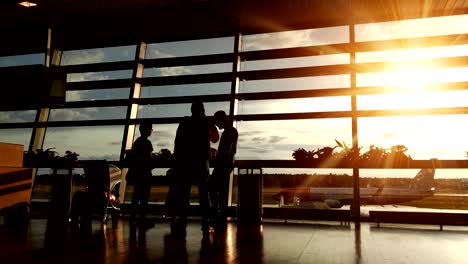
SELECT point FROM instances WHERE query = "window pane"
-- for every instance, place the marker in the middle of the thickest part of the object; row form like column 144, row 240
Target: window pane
column 19, row 60
column 291, row 84
column 260, row 140
column 300, row 105
column 426, row 137
column 100, row 94
column 413, row 100
column 412, row 78
column 308, row 61
column 297, row 38
column 398, row 189
column 87, row 56
column 17, row 116
column 88, row 142
column 187, row 70
column 91, row 113
column 163, row 136
column 413, row 28
column 185, row 90
column 16, row 136
column 178, row 110
column 99, row 76
column 412, row 54
column 293, row 184
column 190, row 48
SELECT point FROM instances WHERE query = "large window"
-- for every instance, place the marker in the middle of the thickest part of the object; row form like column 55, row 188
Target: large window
column 19, row 60
column 278, row 139
column 190, row 48
column 17, row 116
column 98, row 94
column 185, row 90
column 88, row 142
column 297, row 38
column 295, row 92
column 178, row 110
column 94, row 113
column 426, row 137
column 88, row 56
column 16, row 136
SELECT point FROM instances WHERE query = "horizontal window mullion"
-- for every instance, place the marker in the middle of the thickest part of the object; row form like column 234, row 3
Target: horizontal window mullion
column 22, row 107
column 414, row 112
column 17, row 125
column 371, row 90
column 432, row 63
column 421, row 42
column 291, row 116
column 295, row 72
column 188, row 60
column 295, row 94
column 413, row 164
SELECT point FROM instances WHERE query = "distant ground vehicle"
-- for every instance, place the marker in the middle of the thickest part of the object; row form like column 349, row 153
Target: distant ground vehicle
column 422, row 186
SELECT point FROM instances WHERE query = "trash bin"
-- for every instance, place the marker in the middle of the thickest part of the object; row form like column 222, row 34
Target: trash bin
column 250, row 196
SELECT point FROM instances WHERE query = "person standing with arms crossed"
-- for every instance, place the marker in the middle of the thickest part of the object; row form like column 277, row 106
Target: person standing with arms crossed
column 223, row 166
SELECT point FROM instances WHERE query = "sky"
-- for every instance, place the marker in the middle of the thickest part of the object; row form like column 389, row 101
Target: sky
column 425, row 136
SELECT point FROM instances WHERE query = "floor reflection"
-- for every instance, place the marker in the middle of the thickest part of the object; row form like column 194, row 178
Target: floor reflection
column 54, row 242
column 357, row 243
column 175, row 250
column 249, row 243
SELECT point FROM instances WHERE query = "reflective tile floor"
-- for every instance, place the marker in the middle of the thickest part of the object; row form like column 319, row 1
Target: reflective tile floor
column 43, row 242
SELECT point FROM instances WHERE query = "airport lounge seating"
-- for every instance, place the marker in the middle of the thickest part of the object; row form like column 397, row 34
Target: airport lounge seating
column 15, row 184
column 422, row 218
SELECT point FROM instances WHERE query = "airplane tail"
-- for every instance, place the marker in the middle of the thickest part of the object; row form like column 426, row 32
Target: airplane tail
column 424, row 179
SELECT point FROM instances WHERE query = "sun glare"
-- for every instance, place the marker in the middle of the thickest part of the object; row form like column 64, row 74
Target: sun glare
column 408, row 78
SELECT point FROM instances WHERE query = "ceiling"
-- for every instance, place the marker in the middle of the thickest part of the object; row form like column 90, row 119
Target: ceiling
column 97, row 23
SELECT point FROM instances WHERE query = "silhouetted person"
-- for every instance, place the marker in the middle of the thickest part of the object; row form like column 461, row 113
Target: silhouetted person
column 192, row 153
column 223, row 166
column 140, row 171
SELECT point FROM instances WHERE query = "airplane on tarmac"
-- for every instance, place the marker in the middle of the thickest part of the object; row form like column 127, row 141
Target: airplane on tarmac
column 422, row 186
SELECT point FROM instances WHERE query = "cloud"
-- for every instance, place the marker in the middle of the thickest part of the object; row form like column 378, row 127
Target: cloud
column 163, row 144
column 258, row 139
column 275, row 40
column 276, row 139
column 174, row 71
column 17, row 116
column 390, row 135
column 74, row 95
column 250, row 133
column 245, row 147
column 69, row 114
column 158, row 54
column 83, row 57
column 163, row 134
column 86, row 76
column 101, row 157
column 261, row 151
